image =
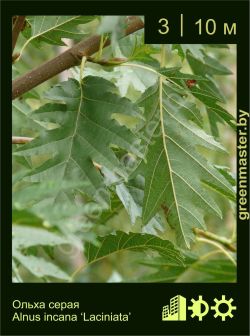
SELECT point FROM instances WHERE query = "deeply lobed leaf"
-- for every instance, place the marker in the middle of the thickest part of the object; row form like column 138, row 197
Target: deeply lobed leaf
column 86, row 130
column 175, row 172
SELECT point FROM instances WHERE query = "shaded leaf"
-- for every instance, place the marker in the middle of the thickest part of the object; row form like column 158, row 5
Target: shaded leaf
column 194, row 269
column 35, row 192
column 40, row 267
column 208, row 66
column 115, row 207
column 23, row 124
column 25, row 236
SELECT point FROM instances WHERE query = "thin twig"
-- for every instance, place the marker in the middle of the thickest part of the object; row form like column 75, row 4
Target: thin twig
column 213, row 237
column 18, row 26
column 208, row 255
column 219, row 246
column 19, row 140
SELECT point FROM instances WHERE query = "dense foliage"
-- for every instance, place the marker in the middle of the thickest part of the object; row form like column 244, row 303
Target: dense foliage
column 122, row 167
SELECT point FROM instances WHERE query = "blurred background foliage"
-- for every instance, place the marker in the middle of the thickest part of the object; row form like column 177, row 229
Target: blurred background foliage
column 83, row 220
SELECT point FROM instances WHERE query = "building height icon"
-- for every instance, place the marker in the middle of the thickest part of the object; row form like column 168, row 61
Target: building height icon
column 176, row 311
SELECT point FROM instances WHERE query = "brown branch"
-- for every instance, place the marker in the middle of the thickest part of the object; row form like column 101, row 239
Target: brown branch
column 66, row 60
column 18, row 140
column 17, row 27
column 211, row 236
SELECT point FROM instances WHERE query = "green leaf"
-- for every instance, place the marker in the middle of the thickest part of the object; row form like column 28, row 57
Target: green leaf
column 68, row 216
column 213, row 119
column 205, row 90
column 195, row 270
column 210, row 101
column 194, row 49
column 162, row 262
column 214, row 67
column 115, row 207
column 51, row 29
column 209, row 66
column 129, row 203
column 35, row 192
column 130, row 195
column 217, row 270
column 25, row 217
column 23, row 124
column 211, row 86
column 225, row 171
column 25, row 237
column 209, row 93
column 169, row 275
column 142, row 54
column 85, row 133
column 132, row 241
column 166, row 270
column 175, row 74
column 175, row 173
column 40, row 267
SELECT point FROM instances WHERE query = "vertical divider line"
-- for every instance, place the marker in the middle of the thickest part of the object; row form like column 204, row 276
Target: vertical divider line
column 182, row 20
